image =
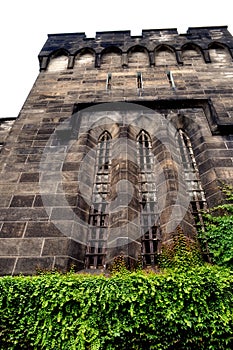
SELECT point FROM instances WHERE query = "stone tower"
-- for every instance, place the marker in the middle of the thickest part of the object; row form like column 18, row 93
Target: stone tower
column 121, row 139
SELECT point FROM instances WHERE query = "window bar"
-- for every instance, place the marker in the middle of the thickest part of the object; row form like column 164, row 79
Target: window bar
column 148, row 200
column 98, row 217
column 192, row 178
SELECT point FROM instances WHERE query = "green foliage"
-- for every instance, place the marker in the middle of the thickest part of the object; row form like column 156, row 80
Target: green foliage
column 181, row 252
column 119, row 266
column 218, row 233
column 228, row 191
column 176, row 309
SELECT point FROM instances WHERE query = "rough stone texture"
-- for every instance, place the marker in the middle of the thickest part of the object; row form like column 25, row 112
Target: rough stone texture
column 40, row 190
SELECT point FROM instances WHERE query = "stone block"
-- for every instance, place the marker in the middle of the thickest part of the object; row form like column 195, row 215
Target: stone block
column 12, row 229
column 47, row 229
column 7, row 266
column 22, row 201
column 32, row 266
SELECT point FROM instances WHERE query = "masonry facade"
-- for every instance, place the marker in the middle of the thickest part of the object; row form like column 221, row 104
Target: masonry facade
column 121, row 139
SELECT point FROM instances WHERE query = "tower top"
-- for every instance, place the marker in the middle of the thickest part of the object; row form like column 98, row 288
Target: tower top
column 72, row 43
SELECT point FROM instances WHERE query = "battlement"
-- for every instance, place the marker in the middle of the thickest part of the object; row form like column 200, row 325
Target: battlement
column 71, row 44
column 71, row 41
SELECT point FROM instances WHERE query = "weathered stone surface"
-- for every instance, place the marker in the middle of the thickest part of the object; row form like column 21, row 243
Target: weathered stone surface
column 31, row 266
column 48, row 155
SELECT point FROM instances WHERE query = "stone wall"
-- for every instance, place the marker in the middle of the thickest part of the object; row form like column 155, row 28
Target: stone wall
column 185, row 78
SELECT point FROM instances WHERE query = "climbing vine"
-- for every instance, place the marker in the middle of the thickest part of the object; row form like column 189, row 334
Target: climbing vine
column 181, row 252
column 218, row 232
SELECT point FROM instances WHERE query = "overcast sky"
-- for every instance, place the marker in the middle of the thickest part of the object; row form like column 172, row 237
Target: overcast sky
column 25, row 24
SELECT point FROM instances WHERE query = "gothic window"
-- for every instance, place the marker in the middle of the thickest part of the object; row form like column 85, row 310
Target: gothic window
column 98, row 217
column 148, row 199
column 191, row 175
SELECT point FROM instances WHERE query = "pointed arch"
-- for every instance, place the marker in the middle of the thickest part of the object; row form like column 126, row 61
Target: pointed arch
column 165, row 55
column 191, row 176
column 138, row 56
column 147, row 199
column 111, row 57
column 192, row 54
column 219, row 53
column 85, row 58
column 58, row 60
column 99, row 213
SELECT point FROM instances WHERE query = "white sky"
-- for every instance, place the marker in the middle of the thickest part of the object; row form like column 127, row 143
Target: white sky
column 24, row 25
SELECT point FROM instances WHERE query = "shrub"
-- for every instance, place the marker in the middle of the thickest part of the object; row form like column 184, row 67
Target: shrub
column 176, row 309
column 218, row 232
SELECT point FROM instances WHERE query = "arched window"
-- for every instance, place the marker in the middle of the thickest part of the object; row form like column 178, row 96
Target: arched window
column 192, row 178
column 148, row 200
column 99, row 213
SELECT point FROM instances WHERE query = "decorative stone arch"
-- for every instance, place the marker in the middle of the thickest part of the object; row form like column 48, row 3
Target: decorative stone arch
column 84, row 58
column 82, row 152
column 111, row 57
column 199, row 140
column 138, row 56
column 192, row 54
column 165, row 170
column 104, row 124
column 58, row 61
column 219, row 53
column 165, row 55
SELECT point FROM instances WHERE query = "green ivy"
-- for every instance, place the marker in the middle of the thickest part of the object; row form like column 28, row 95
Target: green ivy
column 175, row 309
column 218, row 232
column 181, row 252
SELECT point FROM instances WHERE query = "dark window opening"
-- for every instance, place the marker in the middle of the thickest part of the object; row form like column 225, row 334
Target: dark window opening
column 109, row 81
column 98, row 216
column 148, row 200
column 139, row 80
column 192, row 178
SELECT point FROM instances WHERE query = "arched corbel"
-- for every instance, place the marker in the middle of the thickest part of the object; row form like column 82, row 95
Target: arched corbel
column 97, row 60
column 179, row 57
column 206, row 56
column 231, row 51
column 152, row 58
column 124, row 60
column 71, row 62
column 44, row 61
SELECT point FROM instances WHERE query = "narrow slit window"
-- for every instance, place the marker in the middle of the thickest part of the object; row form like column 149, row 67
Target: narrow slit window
column 171, row 79
column 109, row 82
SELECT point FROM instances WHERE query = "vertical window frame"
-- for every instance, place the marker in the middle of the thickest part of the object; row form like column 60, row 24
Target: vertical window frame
column 192, row 178
column 98, row 214
column 148, row 200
